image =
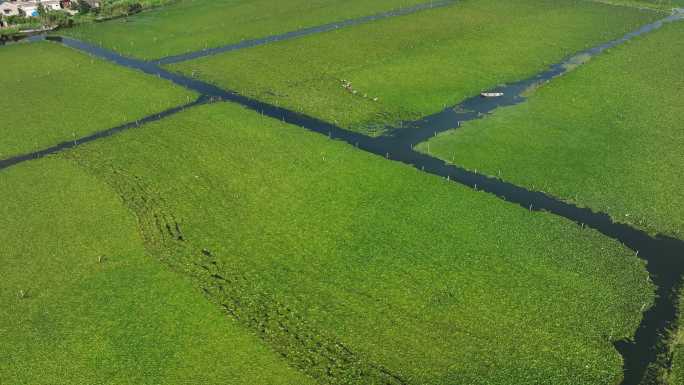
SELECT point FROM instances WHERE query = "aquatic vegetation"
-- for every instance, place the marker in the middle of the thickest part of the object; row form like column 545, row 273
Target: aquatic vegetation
column 52, row 94
column 384, row 274
column 321, row 263
column 124, row 319
column 607, row 136
column 416, row 65
column 191, row 25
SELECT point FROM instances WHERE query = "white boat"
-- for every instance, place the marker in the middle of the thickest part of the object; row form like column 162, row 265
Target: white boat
column 491, row 94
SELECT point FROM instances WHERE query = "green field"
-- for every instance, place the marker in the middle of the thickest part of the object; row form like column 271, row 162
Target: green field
column 192, row 25
column 607, row 136
column 318, row 242
column 221, row 246
column 96, row 309
column 51, row 94
column 418, row 64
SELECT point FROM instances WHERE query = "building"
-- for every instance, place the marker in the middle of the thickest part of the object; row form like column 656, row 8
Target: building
column 52, row 5
column 93, row 3
column 8, row 8
column 29, row 7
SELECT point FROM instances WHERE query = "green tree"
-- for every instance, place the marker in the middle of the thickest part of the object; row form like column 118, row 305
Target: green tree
column 42, row 12
column 83, row 7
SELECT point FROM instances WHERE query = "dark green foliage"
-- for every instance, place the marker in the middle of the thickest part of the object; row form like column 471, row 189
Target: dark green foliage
column 83, row 7
column 42, row 12
column 58, row 19
column 18, row 19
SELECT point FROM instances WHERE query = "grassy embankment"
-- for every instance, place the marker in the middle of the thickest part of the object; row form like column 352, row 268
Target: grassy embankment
column 192, row 25
column 51, row 94
column 607, row 136
column 677, row 375
column 677, row 372
column 664, row 5
column 355, row 267
column 418, row 64
column 110, row 9
column 82, row 303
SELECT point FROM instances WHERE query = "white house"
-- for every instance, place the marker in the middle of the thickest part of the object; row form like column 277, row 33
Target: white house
column 28, row 7
column 9, row 8
column 52, row 5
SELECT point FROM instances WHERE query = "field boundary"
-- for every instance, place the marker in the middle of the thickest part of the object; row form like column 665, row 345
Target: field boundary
column 302, row 32
column 9, row 162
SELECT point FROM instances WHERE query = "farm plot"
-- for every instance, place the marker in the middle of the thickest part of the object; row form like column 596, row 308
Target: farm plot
column 82, row 303
column 192, row 25
column 368, row 76
column 51, row 94
column 346, row 263
column 607, row 136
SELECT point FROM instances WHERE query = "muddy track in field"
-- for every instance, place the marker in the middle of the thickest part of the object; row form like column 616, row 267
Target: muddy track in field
column 280, row 325
column 647, row 352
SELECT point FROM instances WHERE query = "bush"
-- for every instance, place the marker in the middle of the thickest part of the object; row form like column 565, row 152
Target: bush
column 120, row 8
column 20, row 20
column 7, row 33
column 134, row 8
column 83, row 7
column 59, row 19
